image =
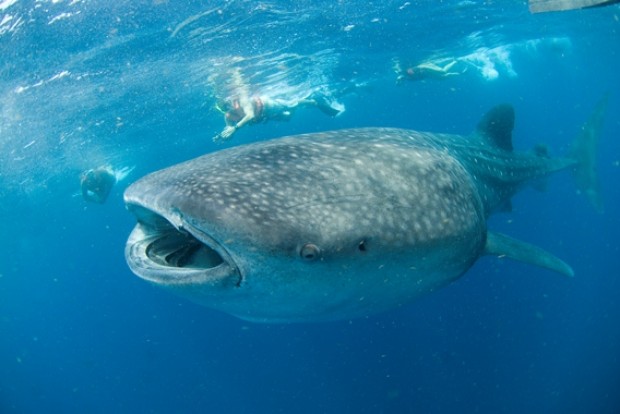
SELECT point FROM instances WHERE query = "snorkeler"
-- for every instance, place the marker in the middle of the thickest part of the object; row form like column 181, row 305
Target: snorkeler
column 96, row 184
column 244, row 108
column 240, row 111
column 428, row 70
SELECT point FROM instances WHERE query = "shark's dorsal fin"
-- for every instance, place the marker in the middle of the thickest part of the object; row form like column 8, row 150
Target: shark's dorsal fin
column 497, row 124
column 503, row 246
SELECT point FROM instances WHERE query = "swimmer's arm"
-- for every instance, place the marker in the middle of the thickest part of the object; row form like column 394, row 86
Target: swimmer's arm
column 229, row 130
column 226, row 133
column 247, row 118
column 248, row 111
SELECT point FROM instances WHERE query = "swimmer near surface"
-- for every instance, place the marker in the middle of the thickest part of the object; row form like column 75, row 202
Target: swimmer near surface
column 340, row 224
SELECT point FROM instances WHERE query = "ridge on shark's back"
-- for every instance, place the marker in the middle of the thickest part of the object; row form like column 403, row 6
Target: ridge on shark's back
column 340, row 224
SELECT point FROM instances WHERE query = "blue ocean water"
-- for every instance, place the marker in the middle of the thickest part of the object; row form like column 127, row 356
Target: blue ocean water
column 134, row 85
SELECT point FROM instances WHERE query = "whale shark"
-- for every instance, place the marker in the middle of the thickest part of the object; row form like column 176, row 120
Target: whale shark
column 341, row 224
column 543, row 6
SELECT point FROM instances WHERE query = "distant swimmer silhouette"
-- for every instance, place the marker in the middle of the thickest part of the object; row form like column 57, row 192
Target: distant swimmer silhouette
column 428, row 70
column 97, row 183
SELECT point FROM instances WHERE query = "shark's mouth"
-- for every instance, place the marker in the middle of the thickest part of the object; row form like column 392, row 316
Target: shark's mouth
column 168, row 254
column 182, row 250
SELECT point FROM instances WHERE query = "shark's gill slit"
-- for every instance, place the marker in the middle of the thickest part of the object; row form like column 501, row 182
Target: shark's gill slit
column 180, row 249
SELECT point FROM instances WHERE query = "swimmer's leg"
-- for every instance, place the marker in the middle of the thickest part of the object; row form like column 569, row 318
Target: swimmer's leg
column 449, row 66
column 328, row 106
column 122, row 173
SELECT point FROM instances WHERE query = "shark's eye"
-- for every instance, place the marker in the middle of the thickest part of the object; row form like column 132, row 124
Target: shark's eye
column 362, row 246
column 309, row 251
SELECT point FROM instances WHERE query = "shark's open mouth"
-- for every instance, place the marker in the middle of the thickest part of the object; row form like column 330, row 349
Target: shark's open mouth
column 178, row 249
column 163, row 253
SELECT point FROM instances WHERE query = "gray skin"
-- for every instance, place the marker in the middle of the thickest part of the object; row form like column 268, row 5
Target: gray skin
column 332, row 225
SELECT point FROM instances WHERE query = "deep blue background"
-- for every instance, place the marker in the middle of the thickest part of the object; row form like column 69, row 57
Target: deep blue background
column 79, row 333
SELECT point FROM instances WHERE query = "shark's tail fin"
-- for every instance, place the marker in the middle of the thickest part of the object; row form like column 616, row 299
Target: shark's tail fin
column 584, row 150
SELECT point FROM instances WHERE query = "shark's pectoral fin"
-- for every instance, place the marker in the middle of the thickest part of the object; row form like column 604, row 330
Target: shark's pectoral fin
column 501, row 245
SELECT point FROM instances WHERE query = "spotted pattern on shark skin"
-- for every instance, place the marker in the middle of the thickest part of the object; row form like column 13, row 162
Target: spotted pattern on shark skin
column 337, row 224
